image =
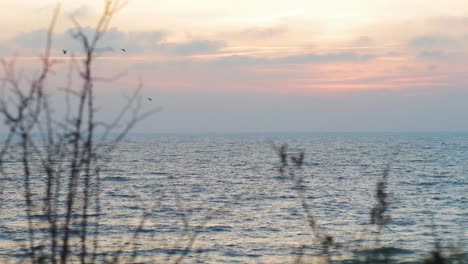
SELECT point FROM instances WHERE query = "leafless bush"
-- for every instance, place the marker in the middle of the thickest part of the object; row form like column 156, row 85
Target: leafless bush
column 63, row 151
column 293, row 173
column 379, row 214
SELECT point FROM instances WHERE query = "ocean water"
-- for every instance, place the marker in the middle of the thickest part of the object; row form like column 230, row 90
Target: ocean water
column 228, row 189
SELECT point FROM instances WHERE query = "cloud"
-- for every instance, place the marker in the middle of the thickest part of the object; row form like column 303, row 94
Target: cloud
column 439, row 55
column 261, row 32
column 31, row 39
column 446, row 47
column 308, row 58
column 246, row 62
column 191, row 48
column 83, row 12
column 138, row 41
column 4, row 50
column 432, row 68
column 153, row 42
column 257, row 73
column 237, row 60
column 326, row 58
column 419, row 36
column 452, row 24
column 432, row 41
column 362, row 41
column 442, row 55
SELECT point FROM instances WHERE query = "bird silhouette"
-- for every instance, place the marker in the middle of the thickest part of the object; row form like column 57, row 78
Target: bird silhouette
column 150, row 99
column 64, row 51
column 123, row 50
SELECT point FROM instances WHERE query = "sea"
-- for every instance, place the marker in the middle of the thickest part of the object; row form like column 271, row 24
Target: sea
column 221, row 198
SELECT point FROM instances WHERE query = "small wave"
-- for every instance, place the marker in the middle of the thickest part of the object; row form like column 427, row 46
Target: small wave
column 11, row 161
column 428, row 183
column 197, row 189
column 112, row 170
column 122, row 195
column 151, row 160
column 239, row 254
column 178, row 251
column 217, row 228
column 270, row 229
column 158, row 173
column 115, row 178
column 387, row 251
column 420, row 160
column 9, row 179
column 242, row 164
column 174, row 251
column 132, row 207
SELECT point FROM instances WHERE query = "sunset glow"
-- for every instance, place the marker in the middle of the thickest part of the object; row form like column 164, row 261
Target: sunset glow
column 263, row 47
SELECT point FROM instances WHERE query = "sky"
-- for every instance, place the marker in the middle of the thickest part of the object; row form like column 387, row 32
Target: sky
column 266, row 65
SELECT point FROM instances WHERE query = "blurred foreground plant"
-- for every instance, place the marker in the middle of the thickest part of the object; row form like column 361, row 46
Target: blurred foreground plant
column 61, row 154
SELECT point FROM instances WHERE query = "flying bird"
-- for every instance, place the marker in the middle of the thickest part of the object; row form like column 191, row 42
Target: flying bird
column 64, row 51
column 123, row 50
column 150, row 99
